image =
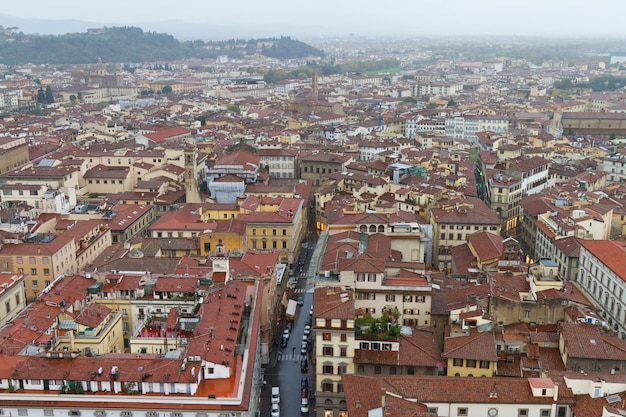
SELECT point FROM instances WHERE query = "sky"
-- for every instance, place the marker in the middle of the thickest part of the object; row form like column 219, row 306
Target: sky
column 360, row 17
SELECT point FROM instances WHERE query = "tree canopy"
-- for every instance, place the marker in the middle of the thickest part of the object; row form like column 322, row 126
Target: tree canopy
column 132, row 44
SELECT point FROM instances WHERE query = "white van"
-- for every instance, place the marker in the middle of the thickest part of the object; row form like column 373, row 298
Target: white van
column 275, row 395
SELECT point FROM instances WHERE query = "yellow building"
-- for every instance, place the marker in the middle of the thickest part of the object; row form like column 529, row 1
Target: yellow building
column 95, row 330
column 42, row 258
column 277, row 224
column 228, row 236
column 217, row 211
column 124, row 306
column 474, row 354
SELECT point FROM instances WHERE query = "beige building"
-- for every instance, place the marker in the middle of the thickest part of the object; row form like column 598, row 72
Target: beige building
column 12, row 296
column 334, row 343
column 453, row 221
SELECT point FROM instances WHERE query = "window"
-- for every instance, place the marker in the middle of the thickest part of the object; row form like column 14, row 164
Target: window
column 522, row 412
column 327, row 369
column 126, row 414
column 457, row 362
column 20, row 260
column 327, row 351
column 343, row 337
column 470, row 363
column 73, row 413
column 33, row 271
column 545, row 412
column 151, row 414
column 22, row 411
column 360, row 277
column 48, row 412
column 35, row 283
column 433, row 410
column 461, row 411
column 371, row 277
column 526, row 314
column 327, row 386
column 342, row 369
column 484, row 364
column 31, row 260
column 326, row 336
column 343, row 351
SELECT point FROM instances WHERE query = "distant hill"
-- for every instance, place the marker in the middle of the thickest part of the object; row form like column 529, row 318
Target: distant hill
column 132, row 44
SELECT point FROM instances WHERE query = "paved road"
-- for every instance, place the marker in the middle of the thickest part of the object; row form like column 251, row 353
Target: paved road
column 283, row 369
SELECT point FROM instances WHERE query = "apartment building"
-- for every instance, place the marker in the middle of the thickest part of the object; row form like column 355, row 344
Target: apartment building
column 12, row 296
column 316, row 165
column 281, row 163
column 210, row 373
column 42, row 257
column 503, row 194
column 466, row 127
column 368, row 395
column 602, row 276
column 453, row 220
column 276, row 224
column 334, row 344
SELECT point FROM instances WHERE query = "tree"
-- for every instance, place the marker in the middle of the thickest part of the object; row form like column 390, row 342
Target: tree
column 49, row 96
column 167, row 89
column 410, row 100
column 234, row 108
column 41, row 96
column 73, row 99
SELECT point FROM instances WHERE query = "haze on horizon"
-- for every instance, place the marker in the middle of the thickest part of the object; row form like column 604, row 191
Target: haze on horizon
column 544, row 18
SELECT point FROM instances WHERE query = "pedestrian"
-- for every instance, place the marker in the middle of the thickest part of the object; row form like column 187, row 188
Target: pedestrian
column 293, row 350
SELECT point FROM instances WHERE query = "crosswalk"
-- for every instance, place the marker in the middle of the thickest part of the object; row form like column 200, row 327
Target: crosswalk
column 290, row 357
column 299, row 290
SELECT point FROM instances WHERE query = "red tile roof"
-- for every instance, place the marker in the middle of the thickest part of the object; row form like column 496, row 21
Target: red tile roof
column 610, row 252
column 480, row 346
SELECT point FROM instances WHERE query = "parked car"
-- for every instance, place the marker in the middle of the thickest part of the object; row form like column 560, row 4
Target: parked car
column 311, row 311
column 309, row 321
column 283, row 342
column 288, row 325
column 307, row 330
column 304, row 365
column 304, row 383
column 275, row 395
column 304, row 348
column 286, row 333
column 301, row 301
column 275, row 410
column 304, row 393
column 304, row 405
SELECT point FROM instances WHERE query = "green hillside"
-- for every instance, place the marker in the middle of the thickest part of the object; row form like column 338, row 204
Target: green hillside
column 131, row 44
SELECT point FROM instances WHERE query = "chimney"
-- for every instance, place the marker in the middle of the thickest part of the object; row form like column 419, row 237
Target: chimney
column 556, row 391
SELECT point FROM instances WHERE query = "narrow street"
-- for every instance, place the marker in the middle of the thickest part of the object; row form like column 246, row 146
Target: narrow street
column 284, row 368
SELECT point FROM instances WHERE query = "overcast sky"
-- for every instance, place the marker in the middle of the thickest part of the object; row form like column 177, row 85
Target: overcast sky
column 361, row 17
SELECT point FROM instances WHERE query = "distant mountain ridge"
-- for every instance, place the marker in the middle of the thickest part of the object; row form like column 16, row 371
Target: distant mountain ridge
column 132, row 44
